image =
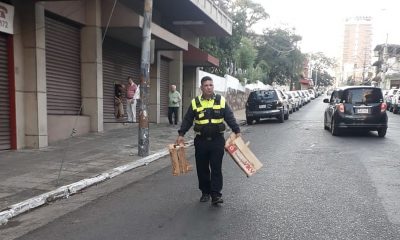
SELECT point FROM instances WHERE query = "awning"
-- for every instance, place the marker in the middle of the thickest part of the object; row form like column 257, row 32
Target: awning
column 195, row 57
column 304, row 81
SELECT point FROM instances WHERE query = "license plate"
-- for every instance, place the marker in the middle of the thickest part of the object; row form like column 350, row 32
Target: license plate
column 362, row 110
column 262, row 106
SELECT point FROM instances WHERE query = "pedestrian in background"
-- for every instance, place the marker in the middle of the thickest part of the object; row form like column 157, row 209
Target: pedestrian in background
column 209, row 111
column 174, row 100
column 119, row 106
column 131, row 89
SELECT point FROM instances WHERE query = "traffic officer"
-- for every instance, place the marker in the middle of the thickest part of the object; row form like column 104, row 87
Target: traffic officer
column 208, row 112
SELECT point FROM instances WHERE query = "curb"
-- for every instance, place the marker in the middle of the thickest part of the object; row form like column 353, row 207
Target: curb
column 71, row 189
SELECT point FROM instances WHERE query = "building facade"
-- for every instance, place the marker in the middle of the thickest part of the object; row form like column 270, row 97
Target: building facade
column 387, row 66
column 357, row 49
column 61, row 61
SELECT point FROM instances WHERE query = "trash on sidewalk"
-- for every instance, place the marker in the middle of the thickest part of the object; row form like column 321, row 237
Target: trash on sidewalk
column 180, row 165
column 242, row 155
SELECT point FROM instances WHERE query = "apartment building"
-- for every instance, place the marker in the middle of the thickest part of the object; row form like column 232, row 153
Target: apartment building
column 357, row 48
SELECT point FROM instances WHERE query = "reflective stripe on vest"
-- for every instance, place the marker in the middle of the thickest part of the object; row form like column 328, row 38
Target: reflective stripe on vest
column 199, row 106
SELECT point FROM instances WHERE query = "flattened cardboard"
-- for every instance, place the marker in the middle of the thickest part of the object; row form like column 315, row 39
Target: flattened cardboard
column 180, row 165
column 242, row 155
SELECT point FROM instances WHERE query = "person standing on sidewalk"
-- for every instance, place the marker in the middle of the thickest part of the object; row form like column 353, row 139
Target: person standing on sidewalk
column 209, row 111
column 131, row 89
column 174, row 100
column 119, row 106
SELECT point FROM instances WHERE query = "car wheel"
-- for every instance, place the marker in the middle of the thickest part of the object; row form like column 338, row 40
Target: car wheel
column 395, row 110
column 249, row 121
column 281, row 117
column 390, row 109
column 382, row 132
column 286, row 117
column 325, row 126
column 334, row 129
column 257, row 120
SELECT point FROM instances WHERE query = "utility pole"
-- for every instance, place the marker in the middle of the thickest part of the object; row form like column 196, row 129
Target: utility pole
column 384, row 65
column 364, row 66
column 143, row 145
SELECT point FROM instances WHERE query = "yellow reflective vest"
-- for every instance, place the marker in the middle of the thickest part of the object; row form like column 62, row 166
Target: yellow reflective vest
column 209, row 115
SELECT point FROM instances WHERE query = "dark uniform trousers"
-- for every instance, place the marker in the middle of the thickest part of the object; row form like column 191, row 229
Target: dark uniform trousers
column 209, row 153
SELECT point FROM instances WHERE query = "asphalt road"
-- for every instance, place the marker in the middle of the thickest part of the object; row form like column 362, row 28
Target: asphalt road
column 312, row 186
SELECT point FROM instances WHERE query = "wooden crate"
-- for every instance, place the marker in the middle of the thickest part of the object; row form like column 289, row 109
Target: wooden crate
column 180, row 165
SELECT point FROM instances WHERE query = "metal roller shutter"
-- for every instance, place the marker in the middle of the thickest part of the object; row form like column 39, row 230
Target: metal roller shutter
column 63, row 68
column 5, row 138
column 164, row 87
column 120, row 60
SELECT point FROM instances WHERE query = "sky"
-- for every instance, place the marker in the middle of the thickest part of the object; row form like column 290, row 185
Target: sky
column 321, row 22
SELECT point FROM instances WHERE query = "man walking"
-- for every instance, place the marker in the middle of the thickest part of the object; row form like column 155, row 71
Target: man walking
column 209, row 111
column 174, row 100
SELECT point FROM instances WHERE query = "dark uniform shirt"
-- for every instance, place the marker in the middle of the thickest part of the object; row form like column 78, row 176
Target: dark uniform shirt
column 229, row 118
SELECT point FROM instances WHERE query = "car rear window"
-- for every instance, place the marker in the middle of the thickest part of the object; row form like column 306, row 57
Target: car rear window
column 263, row 95
column 362, row 95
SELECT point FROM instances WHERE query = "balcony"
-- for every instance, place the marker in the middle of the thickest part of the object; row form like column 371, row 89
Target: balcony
column 201, row 17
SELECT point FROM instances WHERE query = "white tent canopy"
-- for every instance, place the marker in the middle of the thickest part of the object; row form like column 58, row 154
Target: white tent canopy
column 221, row 84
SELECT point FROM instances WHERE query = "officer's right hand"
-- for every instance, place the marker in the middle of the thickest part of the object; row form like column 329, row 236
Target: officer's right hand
column 180, row 141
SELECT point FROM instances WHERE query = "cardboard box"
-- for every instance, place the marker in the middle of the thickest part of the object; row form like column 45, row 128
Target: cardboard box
column 180, row 165
column 242, row 155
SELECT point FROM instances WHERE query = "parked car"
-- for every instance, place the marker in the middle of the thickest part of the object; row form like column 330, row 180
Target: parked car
column 296, row 100
column 388, row 98
column 266, row 104
column 312, row 94
column 302, row 97
column 357, row 107
column 395, row 102
column 308, row 98
column 290, row 101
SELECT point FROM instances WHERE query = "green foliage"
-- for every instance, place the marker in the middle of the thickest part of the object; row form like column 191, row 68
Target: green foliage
column 244, row 14
column 270, row 57
column 320, row 66
column 278, row 48
column 246, row 54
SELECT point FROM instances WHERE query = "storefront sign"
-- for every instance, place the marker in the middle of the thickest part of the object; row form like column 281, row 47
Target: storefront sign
column 6, row 18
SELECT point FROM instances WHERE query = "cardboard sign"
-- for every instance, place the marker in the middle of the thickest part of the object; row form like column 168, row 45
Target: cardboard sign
column 180, row 165
column 242, row 155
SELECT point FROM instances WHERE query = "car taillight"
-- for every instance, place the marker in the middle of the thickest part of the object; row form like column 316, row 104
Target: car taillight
column 383, row 107
column 340, row 107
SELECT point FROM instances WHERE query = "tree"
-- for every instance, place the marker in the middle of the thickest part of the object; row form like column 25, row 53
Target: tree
column 320, row 67
column 244, row 14
column 278, row 49
column 246, row 54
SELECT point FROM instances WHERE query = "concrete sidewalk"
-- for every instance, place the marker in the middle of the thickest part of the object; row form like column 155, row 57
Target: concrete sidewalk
column 30, row 178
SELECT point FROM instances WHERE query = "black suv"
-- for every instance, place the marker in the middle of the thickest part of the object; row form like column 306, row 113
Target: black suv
column 266, row 104
column 359, row 107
